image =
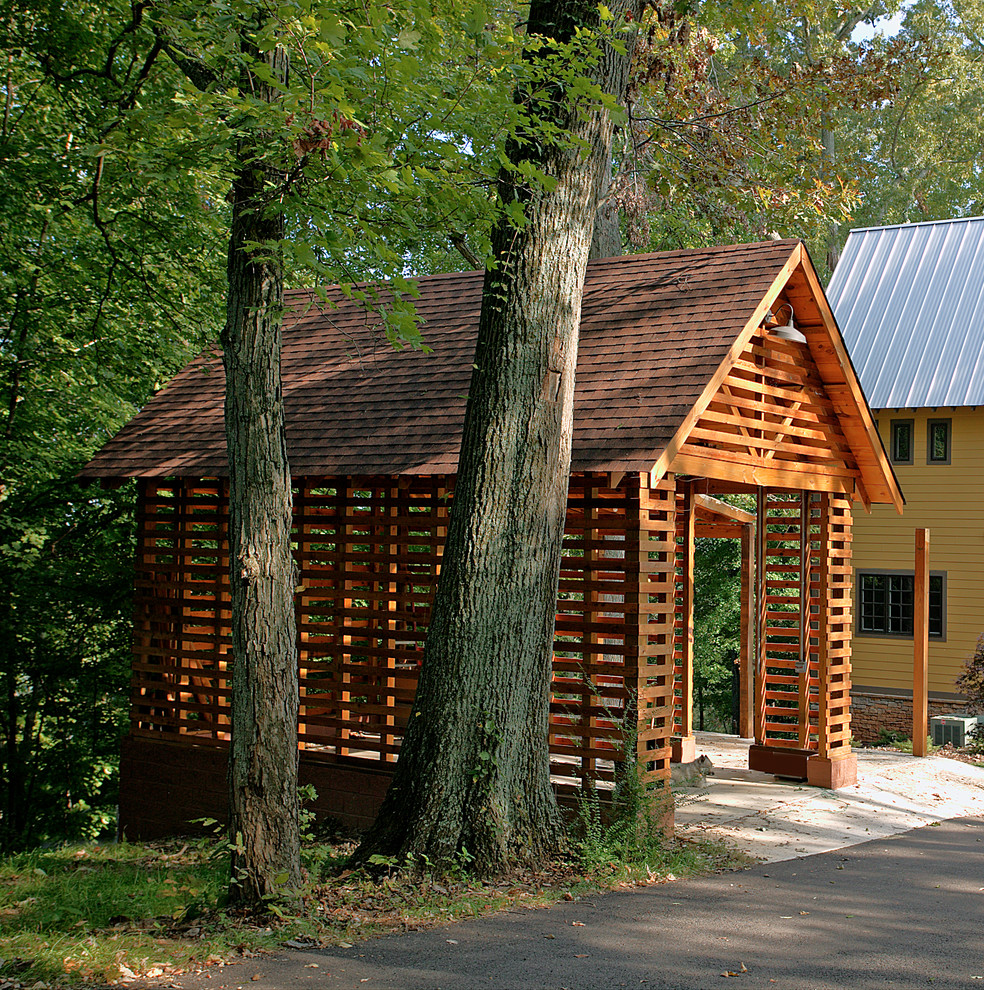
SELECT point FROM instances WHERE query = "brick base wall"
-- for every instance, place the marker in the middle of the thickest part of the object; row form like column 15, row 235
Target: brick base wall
column 164, row 787
column 872, row 712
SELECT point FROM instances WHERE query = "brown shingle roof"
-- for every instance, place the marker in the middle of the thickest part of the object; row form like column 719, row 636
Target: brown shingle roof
column 654, row 329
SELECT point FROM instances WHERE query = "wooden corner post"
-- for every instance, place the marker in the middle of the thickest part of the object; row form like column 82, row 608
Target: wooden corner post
column 684, row 744
column 758, row 715
column 834, row 764
column 920, row 646
column 650, row 568
column 747, row 654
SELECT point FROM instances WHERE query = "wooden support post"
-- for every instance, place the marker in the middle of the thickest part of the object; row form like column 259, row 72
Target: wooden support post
column 803, row 663
column 684, row 746
column 746, row 655
column 761, row 606
column 652, row 554
column 834, row 765
column 920, row 646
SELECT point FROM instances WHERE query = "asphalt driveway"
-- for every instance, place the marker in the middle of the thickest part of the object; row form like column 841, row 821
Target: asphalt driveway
column 905, row 911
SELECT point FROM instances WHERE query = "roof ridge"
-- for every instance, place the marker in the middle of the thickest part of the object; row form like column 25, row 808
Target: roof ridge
column 643, row 257
column 916, row 223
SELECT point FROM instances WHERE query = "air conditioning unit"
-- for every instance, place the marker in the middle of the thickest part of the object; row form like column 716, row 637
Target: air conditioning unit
column 953, row 729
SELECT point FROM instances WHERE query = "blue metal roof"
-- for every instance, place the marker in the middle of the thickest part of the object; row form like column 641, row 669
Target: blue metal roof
column 909, row 301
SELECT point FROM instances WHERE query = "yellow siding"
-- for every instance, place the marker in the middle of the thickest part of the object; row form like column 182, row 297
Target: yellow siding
column 948, row 499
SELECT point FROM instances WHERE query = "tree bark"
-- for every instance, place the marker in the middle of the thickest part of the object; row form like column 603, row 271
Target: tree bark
column 606, row 238
column 263, row 753
column 473, row 774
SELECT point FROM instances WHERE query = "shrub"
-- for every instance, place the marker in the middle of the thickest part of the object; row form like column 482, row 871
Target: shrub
column 971, row 681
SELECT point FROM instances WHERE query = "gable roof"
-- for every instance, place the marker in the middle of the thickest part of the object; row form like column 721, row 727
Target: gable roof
column 909, row 300
column 658, row 332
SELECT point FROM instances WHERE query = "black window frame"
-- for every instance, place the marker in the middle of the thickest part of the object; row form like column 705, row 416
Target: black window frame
column 906, row 621
column 948, row 425
column 892, row 447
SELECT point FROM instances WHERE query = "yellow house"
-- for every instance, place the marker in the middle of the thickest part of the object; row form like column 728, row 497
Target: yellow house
column 909, row 300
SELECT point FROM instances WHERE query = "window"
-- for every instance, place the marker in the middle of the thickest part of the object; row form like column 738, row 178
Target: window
column 938, row 441
column 901, row 449
column 887, row 603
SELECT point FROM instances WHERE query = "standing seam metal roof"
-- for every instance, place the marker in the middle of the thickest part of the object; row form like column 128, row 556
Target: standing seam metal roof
column 909, row 301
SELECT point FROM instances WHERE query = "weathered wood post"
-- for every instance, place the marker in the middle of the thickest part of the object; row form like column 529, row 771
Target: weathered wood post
column 920, row 646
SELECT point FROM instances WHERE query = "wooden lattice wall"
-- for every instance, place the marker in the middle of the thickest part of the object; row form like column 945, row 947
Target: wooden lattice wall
column 804, row 622
column 368, row 552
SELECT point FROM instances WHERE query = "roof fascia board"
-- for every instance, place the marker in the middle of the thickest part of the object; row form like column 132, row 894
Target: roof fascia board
column 851, row 400
column 670, row 451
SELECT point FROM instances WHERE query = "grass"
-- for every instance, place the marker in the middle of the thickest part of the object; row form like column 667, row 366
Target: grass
column 96, row 914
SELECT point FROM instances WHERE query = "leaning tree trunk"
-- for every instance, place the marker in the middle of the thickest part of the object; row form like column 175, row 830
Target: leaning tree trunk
column 473, row 772
column 263, row 754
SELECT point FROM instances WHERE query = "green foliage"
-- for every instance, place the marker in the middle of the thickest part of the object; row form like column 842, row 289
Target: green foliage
column 631, row 830
column 717, row 630
column 890, row 737
column 107, row 283
column 64, row 586
column 971, row 679
column 902, row 741
column 118, row 136
column 919, row 155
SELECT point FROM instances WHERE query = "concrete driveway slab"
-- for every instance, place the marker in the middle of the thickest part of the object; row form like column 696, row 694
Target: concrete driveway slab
column 777, row 820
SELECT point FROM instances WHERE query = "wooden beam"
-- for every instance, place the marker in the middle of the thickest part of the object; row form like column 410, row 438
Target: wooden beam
column 717, row 507
column 707, row 529
column 712, row 466
column 920, row 646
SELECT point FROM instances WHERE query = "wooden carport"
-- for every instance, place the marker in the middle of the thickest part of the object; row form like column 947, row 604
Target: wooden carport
column 688, row 391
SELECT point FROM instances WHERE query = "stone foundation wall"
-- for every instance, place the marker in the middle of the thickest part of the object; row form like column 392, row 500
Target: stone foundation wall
column 872, row 712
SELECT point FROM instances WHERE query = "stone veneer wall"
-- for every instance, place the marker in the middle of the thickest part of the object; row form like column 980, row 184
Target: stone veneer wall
column 873, row 712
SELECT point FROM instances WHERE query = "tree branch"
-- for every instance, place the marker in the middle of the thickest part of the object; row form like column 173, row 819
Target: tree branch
column 464, row 250
column 196, row 71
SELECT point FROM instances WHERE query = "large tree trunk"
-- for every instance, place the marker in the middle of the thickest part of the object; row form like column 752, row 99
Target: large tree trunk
column 473, row 772
column 606, row 238
column 263, row 754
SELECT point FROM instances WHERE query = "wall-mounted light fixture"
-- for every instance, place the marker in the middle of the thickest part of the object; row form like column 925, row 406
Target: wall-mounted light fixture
column 785, row 331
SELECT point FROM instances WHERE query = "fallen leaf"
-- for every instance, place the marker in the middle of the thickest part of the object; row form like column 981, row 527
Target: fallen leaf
column 581, row 955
